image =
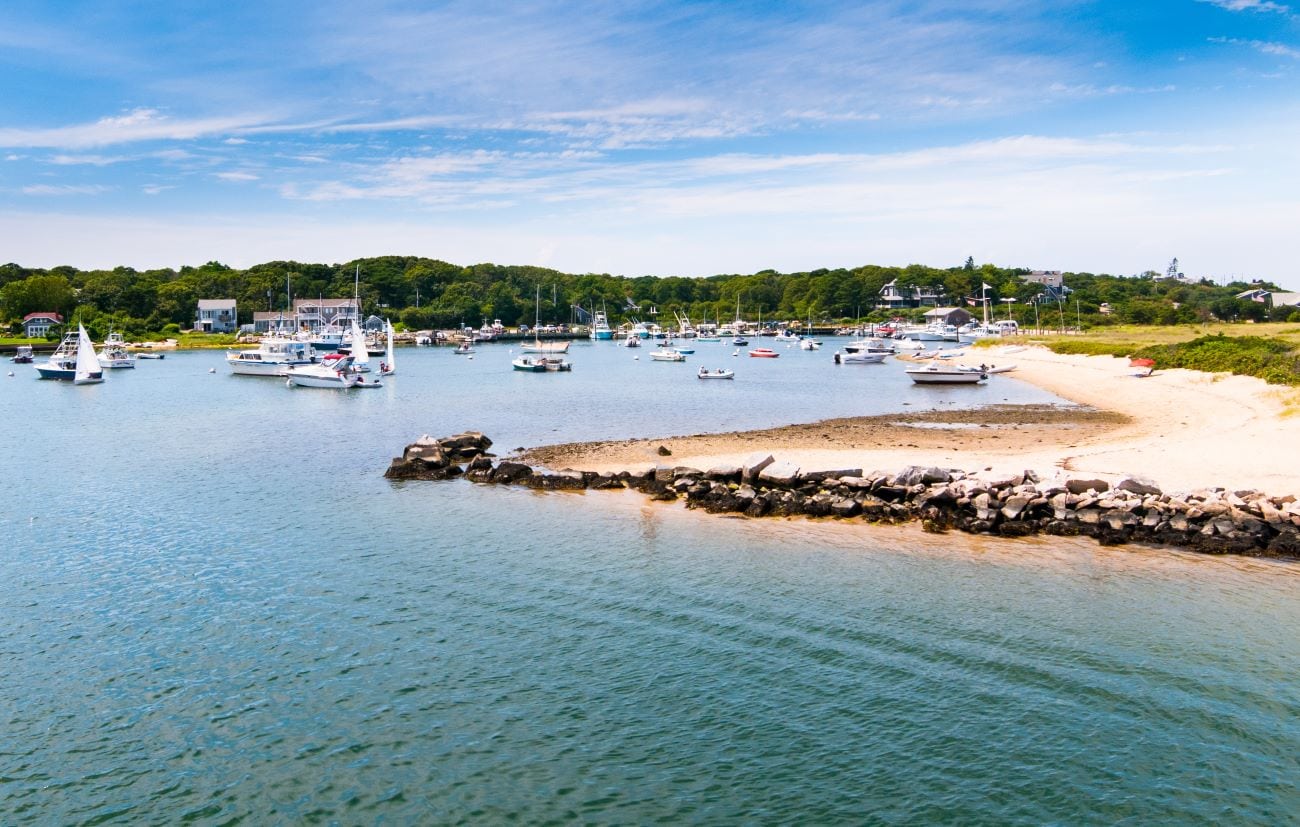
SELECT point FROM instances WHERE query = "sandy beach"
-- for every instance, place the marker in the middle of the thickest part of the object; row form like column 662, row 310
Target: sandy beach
column 1182, row 429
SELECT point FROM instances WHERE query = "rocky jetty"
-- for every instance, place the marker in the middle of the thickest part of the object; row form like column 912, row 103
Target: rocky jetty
column 1135, row 510
column 439, row 459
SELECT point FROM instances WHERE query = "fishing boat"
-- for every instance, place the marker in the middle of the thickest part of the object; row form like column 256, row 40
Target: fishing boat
column 62, row 363
column 632, row 340
column 464, row 348
column 785, row 334
column 114, row 353
column 600, row 328
column 335, row 372
column 667, row 354
column 273, row 357
column 720, row 373
column 541, row 364
column 763, row 353
column 935, row 374
column 23, row 356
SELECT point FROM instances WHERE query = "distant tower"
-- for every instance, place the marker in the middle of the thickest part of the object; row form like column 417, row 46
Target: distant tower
column 1172, row 272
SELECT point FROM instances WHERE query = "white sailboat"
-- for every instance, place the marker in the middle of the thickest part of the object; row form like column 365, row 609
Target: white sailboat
column 389, row 366
column 538, row 346
column 88, row 370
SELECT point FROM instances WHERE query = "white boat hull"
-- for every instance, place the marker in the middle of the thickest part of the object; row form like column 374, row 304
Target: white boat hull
column 922, row 376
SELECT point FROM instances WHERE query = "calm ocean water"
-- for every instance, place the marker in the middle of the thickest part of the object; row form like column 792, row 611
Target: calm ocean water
column 215, row 610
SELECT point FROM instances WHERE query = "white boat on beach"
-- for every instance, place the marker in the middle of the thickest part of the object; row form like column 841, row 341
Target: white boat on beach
column 273, row 357
column 934, row 374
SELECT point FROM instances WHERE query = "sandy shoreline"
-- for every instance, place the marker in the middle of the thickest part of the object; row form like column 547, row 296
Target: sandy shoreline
column 1182, row 429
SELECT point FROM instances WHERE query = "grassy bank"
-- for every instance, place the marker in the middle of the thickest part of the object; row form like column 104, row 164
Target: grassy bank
column 1268, row 351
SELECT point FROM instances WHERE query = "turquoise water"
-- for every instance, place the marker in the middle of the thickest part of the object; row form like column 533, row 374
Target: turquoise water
column 216, row 610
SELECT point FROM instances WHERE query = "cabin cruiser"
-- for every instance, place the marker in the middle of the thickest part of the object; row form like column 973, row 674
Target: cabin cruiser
column 273, row 357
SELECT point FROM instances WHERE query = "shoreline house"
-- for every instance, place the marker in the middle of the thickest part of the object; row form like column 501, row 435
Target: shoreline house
column 954, row 316
column 36, row 325
column 317, row 314
column 1052, row 282
column 893, row 297
column 273, row 321
column 215, row 316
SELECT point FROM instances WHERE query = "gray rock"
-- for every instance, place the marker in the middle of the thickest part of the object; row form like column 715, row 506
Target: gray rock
column 779, row 473
column 1138, row 485
column 1014, row 505
column 754, row 464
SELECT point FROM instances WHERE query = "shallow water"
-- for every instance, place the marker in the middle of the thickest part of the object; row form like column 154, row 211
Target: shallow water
column 218, row 611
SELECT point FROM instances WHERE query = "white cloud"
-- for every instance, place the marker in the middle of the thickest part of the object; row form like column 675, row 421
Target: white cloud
column 64, row 189
column 1261, row 46
column 133, row 127
column 1250, row 5
column 236, row 176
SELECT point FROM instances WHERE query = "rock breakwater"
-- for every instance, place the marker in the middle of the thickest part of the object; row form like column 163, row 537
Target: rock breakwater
column 1211, row 520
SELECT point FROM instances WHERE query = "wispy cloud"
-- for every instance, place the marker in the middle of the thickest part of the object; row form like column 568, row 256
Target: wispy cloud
column 135, row 126
column 1250, row 5
column 64, row 189
column 236, row 176
column 1262, row 46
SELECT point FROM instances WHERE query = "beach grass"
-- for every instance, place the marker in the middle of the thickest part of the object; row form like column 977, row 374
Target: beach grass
column 1268, row 351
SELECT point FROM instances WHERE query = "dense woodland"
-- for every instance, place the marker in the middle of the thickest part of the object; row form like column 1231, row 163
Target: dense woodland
column 425, row 293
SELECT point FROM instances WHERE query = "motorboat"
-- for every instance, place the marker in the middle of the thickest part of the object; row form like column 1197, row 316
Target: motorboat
column 809, row 343
column 713, row 339
column 871, row 344
column 763, row 353
column 859, row 358
column 335, row 372
column 464, row 347
column 989, row 369
column 23, row 356
column 720, row 373
column 62, row 363
column 542, row 364
column 787, row 335
column 114, row 353
column 667, row 354
column 273, row 357
column 740, row 341
column 685, row 351
column 632, row 340
column 935, row 374
column 600, row 328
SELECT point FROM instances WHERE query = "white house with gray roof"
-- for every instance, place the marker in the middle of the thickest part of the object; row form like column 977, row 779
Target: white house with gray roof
column 215, row 316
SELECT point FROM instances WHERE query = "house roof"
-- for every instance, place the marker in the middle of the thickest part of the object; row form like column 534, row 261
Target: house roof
column 942, row 311
column 215, row 304
column 43, row 315
column 1280, row 298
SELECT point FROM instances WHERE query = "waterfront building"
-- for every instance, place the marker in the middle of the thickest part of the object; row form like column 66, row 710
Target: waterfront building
column 215, row 316
column 36, row 325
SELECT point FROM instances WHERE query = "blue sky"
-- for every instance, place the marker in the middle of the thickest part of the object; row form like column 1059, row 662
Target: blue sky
column 669, row 138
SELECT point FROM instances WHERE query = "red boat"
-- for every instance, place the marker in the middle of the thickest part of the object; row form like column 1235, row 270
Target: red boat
column 764, row 353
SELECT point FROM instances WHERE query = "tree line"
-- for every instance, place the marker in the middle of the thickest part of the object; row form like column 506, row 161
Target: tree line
column 424, row 293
